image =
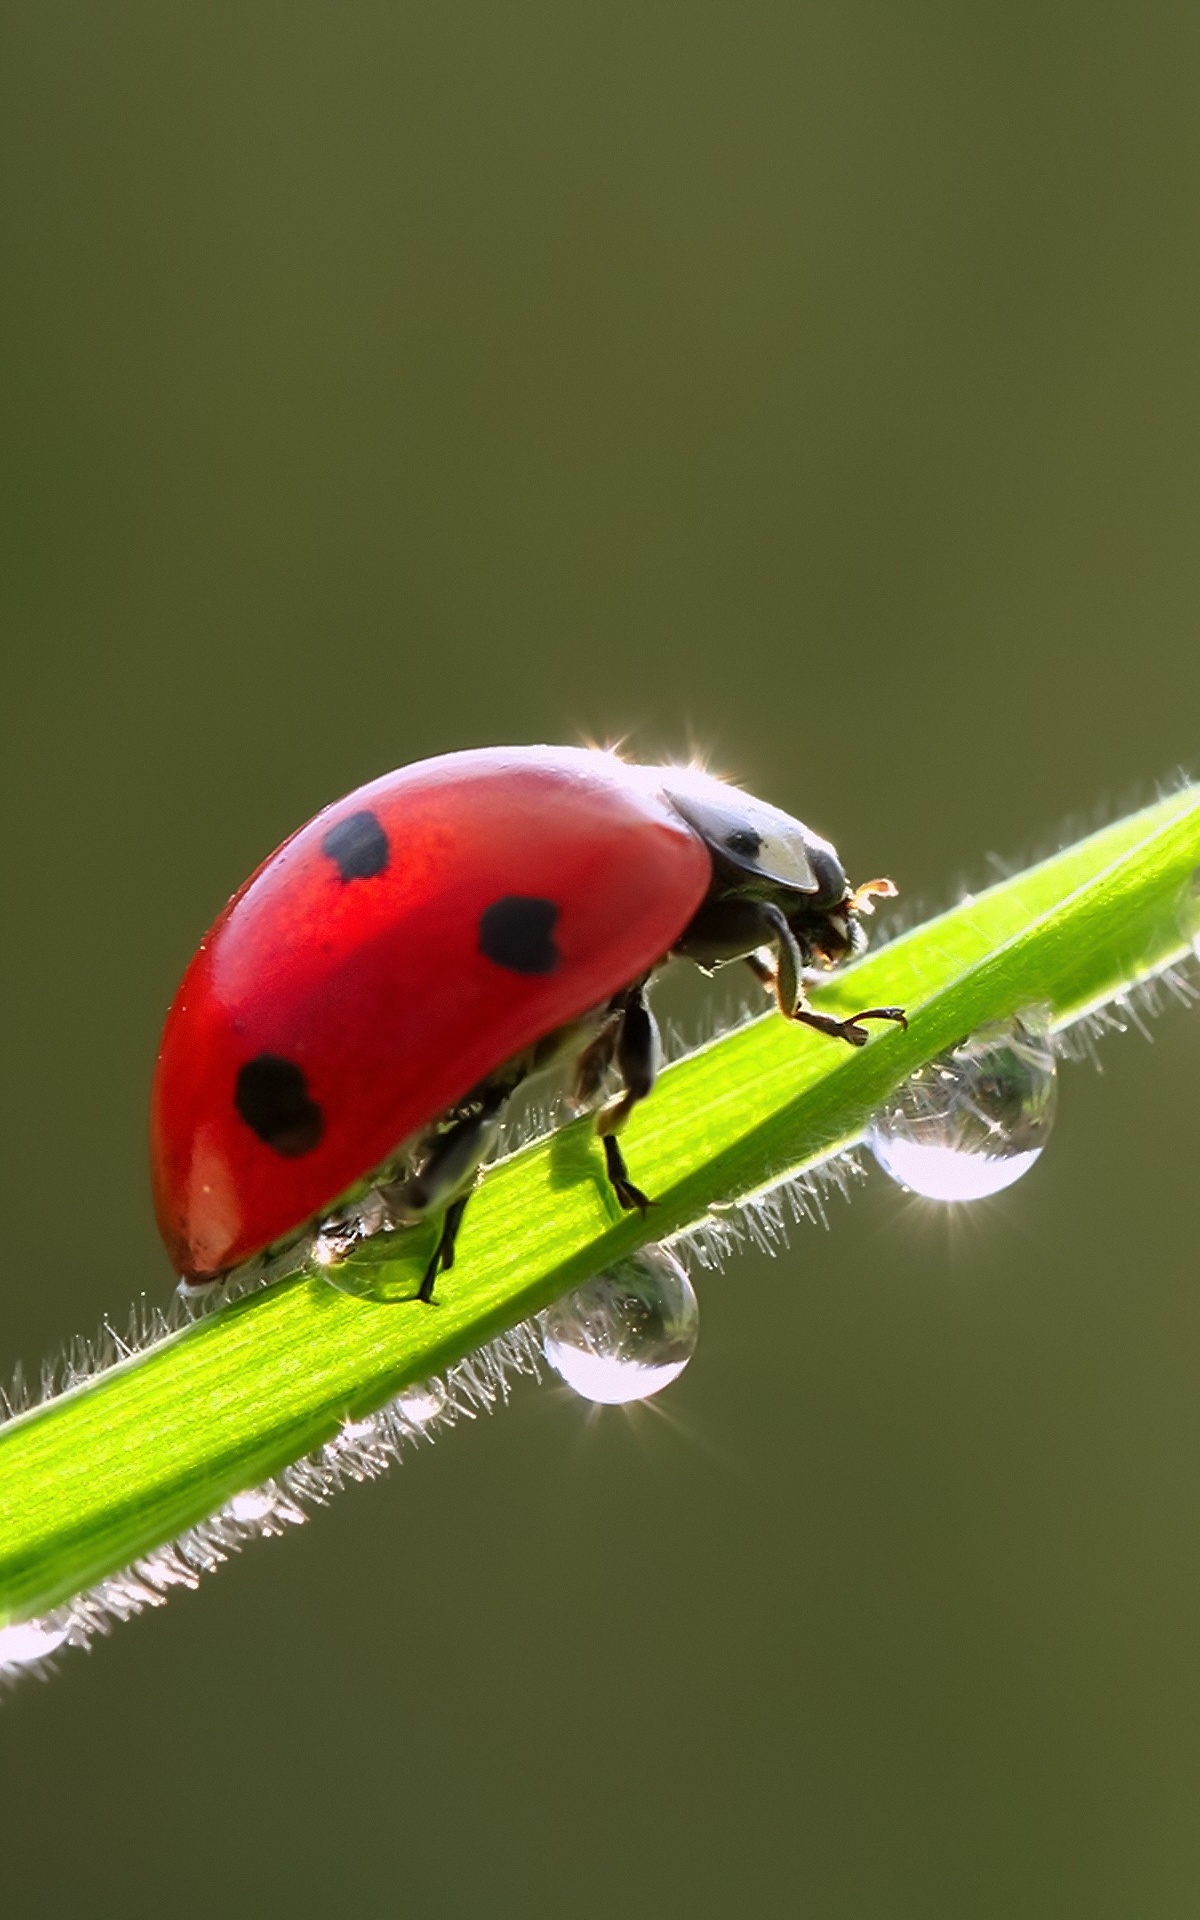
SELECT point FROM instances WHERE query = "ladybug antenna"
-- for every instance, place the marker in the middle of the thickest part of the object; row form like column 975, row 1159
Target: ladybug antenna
column 863, row 899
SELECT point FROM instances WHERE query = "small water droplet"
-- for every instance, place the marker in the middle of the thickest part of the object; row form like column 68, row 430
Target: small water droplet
column 254, row 1504
column 368, row 1259
column 975, row 1119
column 360, row 1430
column 626, row 1334
column 421, row 1404
column 29, row 1640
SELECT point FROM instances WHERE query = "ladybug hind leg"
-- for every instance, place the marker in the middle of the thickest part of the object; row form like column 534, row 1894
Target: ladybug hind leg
column 638, row 1056
column 593, row 1064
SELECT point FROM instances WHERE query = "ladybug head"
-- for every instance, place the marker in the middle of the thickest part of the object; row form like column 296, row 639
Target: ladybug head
column 830, row 928
column 835, row 933
column 761, row 853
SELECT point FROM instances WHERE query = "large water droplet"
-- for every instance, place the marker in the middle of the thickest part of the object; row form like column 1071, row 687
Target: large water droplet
column 29, row 1640
column 975, row 1119
column 626, row 1334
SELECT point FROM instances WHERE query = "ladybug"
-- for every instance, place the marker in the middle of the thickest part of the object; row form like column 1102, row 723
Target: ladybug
column 368, row 1001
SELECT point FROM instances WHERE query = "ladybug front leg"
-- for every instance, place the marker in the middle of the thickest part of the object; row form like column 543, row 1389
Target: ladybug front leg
column 763, row 969
column 638, row 1058
column 788, row 983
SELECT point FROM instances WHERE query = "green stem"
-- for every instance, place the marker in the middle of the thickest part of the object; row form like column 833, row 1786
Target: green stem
column 109, row 1471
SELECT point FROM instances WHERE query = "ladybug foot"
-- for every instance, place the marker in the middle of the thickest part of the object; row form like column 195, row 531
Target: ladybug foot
column 850, row 1030
column 443, row 1256
column 425, row 1290
column 629, row 1197
column 896, row 1014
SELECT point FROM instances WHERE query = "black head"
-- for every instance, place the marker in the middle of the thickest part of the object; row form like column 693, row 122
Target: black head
column 761, row 853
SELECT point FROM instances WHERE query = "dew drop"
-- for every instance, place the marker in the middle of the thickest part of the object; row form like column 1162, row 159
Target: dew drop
column 975, row 1119
column 360, row 1253
column 255, row 1504
column 626, row 1334
column 358, row 1431
column 419, row 1405
column 29, row 1640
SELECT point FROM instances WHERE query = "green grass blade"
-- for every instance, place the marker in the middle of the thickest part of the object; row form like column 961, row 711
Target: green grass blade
column 109, row 1471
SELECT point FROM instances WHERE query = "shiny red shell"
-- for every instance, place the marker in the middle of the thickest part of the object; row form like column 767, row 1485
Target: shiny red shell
column 355, row 956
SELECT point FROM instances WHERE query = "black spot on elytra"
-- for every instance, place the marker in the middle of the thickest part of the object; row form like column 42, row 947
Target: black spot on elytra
column 518, row 933
column 272, row 1098
column 358, row 845
column 744, row 842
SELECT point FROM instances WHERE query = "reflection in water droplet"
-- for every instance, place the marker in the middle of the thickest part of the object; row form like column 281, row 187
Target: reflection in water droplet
column 419, row 1405
column 333, row 1242
column 626, row 1334
column 974, row 1120
column 340, row 1233
column 31, row 1640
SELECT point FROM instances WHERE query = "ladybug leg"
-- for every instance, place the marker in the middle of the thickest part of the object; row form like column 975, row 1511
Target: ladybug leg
column 767, row 974
column 446, row 1176
column 793, row 1001
column 638, row 1057
column 762, row 970
column 443, row 1255
column 449, row 1164
column 789, row 963
column 848, row 1029
column 596, row 1059
column 629, row 1196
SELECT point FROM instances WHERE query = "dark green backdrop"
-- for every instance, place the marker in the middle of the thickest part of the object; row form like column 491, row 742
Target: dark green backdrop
column 817, row 382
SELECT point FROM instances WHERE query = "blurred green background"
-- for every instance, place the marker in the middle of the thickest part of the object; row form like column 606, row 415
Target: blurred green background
column 816, row 383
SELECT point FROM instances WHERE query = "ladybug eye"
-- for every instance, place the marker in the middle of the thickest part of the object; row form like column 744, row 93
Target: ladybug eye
column 744, row 842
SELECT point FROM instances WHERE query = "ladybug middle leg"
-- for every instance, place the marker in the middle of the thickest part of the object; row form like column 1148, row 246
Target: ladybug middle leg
column 445, row 1173
column 443, row 1253
column 638, row 1055
column 759, row 933
column 592, row 1065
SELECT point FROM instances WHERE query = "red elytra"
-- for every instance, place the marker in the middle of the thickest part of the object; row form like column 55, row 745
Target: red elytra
column 375, row 987
column 383, row 981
